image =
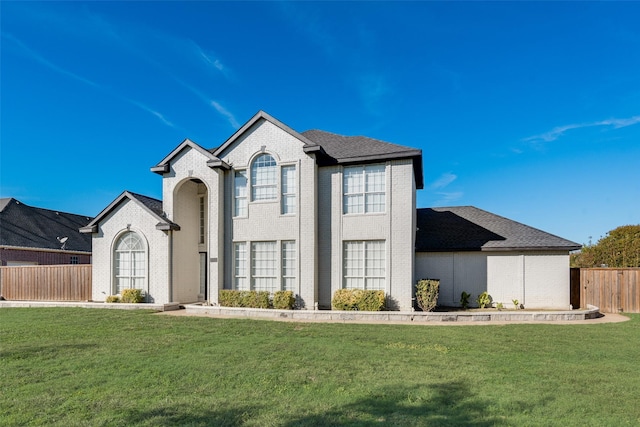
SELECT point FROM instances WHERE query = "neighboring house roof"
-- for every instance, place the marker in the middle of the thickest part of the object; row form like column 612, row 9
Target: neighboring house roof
column 25, row 226
column 467, row 228
column 151, row 205
column 359, row 149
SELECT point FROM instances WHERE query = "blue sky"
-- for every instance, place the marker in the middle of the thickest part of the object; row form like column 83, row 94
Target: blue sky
column 527, row 110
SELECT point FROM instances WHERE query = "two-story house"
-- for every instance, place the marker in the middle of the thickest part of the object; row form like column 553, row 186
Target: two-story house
column 272, row 209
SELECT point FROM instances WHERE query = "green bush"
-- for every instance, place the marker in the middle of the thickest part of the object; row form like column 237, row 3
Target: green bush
column 283, row 300
column 112, row 299
column 133, row 296
column 464, row 299
column 484, row 299
column 358, row 299
column 427, row 293
column 247, row 299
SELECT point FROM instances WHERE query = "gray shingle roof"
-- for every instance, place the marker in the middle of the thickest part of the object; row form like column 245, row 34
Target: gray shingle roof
column 153, row 206
column 361, row 149
column 467, row 228
column 354, row 148
column 30, row 227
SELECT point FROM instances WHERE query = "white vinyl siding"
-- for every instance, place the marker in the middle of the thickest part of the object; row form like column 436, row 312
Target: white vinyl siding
column 288, row 185
column 364, row 265
column 364, row 189
column 288, row 265
column 264, row 178
column 240, row 267
column 129, row 263
column 240, row 194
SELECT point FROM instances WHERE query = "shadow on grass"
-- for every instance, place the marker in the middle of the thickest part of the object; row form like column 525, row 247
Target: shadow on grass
column 48, row 351
column 177, row 417
column 446, row 404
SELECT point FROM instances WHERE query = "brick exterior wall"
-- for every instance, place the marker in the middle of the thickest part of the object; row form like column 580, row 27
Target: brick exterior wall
column 38, row 257
column 130, row 215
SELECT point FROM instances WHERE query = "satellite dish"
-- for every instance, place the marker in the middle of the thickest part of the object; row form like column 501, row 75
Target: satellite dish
column 63, row 241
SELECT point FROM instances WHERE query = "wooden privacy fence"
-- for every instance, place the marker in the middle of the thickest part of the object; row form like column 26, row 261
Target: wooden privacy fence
column 611, row 289
column 46, row 283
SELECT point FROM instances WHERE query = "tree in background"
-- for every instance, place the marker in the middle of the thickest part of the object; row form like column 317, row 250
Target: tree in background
column 619, row 248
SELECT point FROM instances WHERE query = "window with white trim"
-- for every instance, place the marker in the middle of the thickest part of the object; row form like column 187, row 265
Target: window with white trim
column 288, row 186
column 130, row 264
column 270, row 267
column 363, row 189
column 264, row 178
column 364, row 264
column 202, row 221
column 289, row 265
column 240, row 281
column 240, row 193
column 264, row 266
column 74, row 259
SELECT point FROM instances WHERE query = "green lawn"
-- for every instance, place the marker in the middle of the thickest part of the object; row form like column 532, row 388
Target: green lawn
column 113, row 367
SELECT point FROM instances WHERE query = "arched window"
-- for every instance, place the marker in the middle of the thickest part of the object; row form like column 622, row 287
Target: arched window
column 264, row 178
column 130, row 263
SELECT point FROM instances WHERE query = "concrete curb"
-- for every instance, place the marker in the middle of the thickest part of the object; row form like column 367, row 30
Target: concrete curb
column 591, row 312
column 81, row 304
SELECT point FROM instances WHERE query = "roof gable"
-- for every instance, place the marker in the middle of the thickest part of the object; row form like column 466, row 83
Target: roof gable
column 31, row 227
column 467, row 228
column 258, row 117
column 163, row 165
column 149, row 204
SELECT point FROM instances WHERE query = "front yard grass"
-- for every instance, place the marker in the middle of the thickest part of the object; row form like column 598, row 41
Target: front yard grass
column 76, row 367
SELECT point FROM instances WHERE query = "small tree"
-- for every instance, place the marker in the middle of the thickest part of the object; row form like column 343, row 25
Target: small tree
column 427, row 294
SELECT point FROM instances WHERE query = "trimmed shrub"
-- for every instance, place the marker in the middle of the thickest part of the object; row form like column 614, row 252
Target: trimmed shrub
column 358, row 299
column 247, row 299
column 484, row 299
column 283, row 300
column 133, row 296
column 112, row 299
column 427, row 293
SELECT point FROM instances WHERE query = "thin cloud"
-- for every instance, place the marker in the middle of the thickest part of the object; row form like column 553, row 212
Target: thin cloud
column 447, row 198
column 42, row 60
column 151, row 111
column 373, row 89
column 444, row 180
column 559, row 131
column 220, row 109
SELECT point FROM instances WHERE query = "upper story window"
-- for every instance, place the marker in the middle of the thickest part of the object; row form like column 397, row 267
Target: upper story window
column 364, row 189
column 264, row 178
column 288, row 185
column 240, row 193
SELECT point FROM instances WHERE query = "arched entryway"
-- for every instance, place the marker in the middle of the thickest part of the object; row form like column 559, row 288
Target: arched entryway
column 190, row 275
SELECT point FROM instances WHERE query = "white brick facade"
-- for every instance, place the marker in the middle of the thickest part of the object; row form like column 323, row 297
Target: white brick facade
column 191, row 235
column 130, row 217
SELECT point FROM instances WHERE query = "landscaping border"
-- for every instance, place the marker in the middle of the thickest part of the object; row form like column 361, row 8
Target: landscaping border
column 591, row 312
